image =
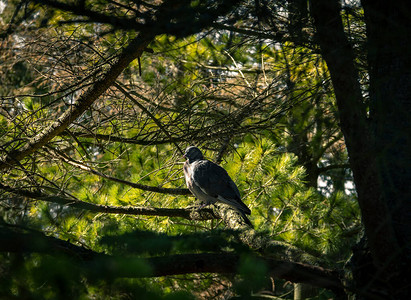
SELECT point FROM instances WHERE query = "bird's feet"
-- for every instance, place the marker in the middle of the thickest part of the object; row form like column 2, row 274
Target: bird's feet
column 198, row 207
column 202, row 206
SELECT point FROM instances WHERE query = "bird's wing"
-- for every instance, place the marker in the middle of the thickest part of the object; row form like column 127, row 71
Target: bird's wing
column 215, row 181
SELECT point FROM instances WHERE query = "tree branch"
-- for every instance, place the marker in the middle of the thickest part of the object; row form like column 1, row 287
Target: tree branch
column 228, row 263
column 259, row 34
column 194, row 135
column 95, row 16
column 187, row 213
column 132, row 51
column 228, row 215
column 332, row 167
column 30, row 241
column 161, row 23
column 143, row 108
column 161, row 190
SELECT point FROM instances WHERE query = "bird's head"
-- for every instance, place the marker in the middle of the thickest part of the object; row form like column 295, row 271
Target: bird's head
column 192, row 154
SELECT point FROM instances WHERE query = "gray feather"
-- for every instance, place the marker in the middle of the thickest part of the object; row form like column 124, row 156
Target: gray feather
column 211, row 183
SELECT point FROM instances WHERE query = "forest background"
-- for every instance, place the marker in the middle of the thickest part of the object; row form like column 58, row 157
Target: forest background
column 306, row 104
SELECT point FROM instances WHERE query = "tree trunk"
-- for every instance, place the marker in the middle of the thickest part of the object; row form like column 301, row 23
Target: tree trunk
column 389, row 56
column 389, row 59
column 378, row 141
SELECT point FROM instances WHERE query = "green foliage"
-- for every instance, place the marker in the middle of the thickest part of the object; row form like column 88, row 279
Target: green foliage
column 253, row 276
column 153, row 243
column 48, row 277
column 271, row 101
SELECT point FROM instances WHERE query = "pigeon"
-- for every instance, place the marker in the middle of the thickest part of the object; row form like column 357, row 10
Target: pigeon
column 210, row 183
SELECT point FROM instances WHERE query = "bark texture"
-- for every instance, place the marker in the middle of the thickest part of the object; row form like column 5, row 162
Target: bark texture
column 376, row 139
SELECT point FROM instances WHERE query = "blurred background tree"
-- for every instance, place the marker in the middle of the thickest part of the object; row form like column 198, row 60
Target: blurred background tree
column 100, row 98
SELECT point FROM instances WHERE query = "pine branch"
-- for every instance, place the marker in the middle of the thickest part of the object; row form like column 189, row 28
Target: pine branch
column 187, row 213
column 143, row 187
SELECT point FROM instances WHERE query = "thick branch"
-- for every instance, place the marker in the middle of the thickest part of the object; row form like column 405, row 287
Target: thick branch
column 229, row 262
column 172, row 17
column 230, row 217
column 19, row 241
column 127, row 23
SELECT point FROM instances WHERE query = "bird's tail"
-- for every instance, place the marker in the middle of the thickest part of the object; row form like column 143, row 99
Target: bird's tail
column 246, row 220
